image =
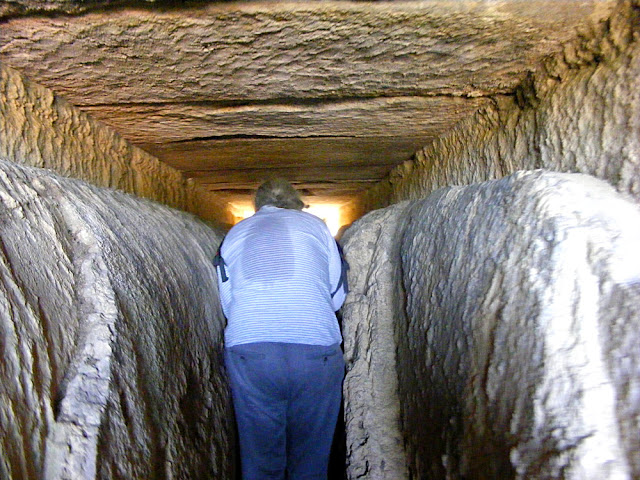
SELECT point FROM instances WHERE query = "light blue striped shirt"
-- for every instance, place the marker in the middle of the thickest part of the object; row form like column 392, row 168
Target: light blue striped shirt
column 282, row 266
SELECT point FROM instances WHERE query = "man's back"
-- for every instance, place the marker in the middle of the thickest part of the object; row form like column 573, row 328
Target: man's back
column 281, row 265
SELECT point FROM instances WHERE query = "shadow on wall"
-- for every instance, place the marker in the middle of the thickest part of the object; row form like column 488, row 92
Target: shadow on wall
column 492, row 332
column 111, row 336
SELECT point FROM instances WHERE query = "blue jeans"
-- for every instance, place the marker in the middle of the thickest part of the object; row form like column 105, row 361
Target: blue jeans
column 286, row 398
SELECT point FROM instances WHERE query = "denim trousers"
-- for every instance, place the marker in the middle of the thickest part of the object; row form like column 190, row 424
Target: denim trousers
column 286, row 399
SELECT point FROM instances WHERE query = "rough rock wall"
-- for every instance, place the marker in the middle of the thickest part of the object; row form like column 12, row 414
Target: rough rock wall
column 111, row 335
column 517, row 351
column 578, row 112
column 40, row 129
column 372, row 408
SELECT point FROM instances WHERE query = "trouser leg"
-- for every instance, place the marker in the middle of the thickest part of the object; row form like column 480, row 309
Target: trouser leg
column 314, row 403
column 258, row 386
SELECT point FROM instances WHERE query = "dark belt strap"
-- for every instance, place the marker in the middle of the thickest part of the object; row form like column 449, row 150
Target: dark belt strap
column 218, row 261
column 343, row 272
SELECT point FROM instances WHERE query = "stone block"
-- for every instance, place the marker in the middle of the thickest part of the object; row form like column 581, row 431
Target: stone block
column 111, row 336
column 517, row 345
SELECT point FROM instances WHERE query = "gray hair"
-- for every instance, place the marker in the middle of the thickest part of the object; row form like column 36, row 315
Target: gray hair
column 279, row 193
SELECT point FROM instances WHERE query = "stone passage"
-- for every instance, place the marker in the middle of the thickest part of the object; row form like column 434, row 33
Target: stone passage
column 110, row 336
column 492, row 332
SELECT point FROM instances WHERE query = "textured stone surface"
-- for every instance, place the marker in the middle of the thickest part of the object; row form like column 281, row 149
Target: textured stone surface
column 41, row 129
column 372, row 407
column 292, row 50
column 579, row 112
column 111, row 336
column 188, row 77
column 518, row 353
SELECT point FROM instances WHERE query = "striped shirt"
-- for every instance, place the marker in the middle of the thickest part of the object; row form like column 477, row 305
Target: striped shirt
column 282, row 266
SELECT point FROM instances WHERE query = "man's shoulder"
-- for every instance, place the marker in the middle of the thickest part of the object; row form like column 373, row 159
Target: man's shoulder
column 310, row 220
column 296, row 219
column 237, row 231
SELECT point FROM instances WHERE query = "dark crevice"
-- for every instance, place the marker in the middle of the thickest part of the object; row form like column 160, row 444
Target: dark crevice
column 286, row 101
column 254, row 137
column 338, row 457
column 283, row 138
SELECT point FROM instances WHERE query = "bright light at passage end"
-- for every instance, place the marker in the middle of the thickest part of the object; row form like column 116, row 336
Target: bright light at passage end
column 329, row 213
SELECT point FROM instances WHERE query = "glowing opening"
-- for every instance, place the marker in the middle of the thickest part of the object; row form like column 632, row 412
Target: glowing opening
column 329, row 213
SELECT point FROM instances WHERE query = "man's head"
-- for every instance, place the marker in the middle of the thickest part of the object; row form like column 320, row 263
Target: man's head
column 279, row 193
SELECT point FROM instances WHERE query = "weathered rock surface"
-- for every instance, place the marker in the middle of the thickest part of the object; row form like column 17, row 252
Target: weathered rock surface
column 111, row 336
column 41, row 129
column 267, row 50
column 579, row 112
column 517, row 351
column 372, row 407
column 182, row 77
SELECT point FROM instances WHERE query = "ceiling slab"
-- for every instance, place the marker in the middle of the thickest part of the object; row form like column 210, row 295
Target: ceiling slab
column 384, row 117
column 217, row 155
column 331, row 95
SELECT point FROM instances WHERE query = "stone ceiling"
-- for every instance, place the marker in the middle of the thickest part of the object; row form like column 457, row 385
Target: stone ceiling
column 331, row 95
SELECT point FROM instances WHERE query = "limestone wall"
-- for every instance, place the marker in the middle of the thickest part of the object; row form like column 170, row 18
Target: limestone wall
column 40, row 129
column 111, row 335
column 577, row 112
column 514, row 307
column 372, row 408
